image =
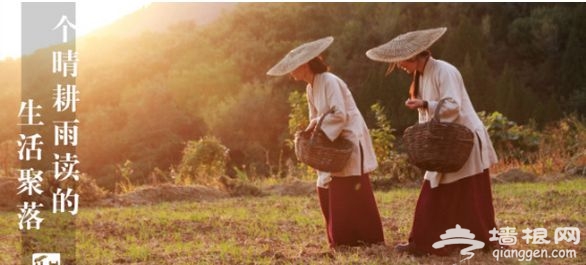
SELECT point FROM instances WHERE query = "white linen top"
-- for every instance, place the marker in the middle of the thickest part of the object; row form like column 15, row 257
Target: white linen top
column 329, row 91
column 441, row 80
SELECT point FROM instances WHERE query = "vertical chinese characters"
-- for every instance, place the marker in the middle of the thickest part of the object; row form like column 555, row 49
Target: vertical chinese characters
column 65, row 96
column 37, row 144
column 29, row 149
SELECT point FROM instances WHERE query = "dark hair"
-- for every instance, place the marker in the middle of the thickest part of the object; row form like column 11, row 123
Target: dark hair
column 318, row 66
column 424, row 54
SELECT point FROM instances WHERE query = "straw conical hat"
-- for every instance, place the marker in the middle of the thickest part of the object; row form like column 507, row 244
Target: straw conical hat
column 405, row 46
column 300, row 55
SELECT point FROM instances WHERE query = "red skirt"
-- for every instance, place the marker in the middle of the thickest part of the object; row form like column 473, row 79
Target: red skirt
column 350, row 212
column 466, row 202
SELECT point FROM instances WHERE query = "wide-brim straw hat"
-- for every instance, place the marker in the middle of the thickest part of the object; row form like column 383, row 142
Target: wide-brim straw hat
column 300, row 55
column 406, row 45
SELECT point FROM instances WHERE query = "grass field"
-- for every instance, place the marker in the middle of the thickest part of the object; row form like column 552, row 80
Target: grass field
column 290, row 230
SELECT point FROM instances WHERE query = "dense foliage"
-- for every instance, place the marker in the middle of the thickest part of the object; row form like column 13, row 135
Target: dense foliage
column 203, row 161
column 145, row 96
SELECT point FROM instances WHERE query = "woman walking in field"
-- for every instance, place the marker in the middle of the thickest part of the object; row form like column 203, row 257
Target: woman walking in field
column 460, row 198
column 346, row 198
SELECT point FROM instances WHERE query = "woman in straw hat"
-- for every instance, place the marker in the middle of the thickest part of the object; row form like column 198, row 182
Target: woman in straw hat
column 346, row 198
column 460, row 198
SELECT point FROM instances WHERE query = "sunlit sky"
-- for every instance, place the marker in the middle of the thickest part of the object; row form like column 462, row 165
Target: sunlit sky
column 90, row 15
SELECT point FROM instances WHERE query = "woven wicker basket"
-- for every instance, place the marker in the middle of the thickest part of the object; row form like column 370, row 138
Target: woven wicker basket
column 438, row 146
column 316, row 150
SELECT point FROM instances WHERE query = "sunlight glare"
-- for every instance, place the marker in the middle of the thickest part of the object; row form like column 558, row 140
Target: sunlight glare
column 90, row 16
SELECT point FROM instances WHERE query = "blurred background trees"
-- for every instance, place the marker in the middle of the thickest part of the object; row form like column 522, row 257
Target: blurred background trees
column 145, row 96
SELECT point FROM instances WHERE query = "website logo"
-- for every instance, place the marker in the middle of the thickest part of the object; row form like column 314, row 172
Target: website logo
column 461, row 237
column 508, row 237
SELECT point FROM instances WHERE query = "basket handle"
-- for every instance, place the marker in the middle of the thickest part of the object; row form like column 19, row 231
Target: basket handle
column 437, row 109
column 321, row 119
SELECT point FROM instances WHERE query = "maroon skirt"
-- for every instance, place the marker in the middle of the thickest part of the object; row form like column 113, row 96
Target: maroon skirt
column 466, row 202
column 350, row 212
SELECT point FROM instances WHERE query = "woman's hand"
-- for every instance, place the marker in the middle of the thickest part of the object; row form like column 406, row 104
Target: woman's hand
column 414, row 103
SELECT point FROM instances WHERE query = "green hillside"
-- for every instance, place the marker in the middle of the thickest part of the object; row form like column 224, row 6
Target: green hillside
column 144, row 96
